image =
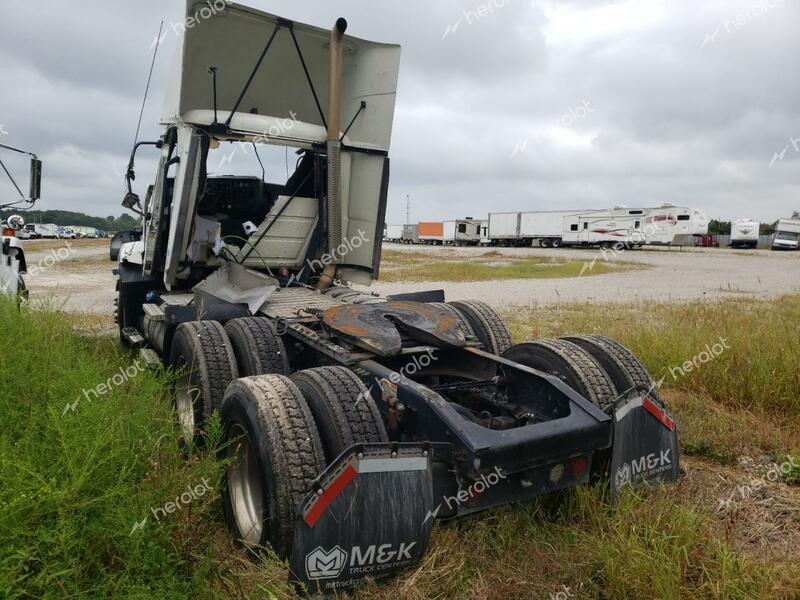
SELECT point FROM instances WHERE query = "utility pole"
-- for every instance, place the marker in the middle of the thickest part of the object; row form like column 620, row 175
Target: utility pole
column 408, row 209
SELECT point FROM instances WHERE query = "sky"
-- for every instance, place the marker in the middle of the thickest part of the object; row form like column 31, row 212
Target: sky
column 503, row 105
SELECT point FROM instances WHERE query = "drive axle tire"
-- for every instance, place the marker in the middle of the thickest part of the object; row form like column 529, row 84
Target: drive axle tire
column 487, row 325
column 570, row 363
column 622, row 365
column 343, row 409
column 205, row 364
column 258, row 348
column 275, row 454
column 465, row 326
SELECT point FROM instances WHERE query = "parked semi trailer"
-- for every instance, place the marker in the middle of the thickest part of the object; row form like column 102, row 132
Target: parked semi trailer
column 394, row 233
column 596, row 227
column 411, row 234
column 745, row 233
column 787, row 235
column 350, row 422
column 431, row 233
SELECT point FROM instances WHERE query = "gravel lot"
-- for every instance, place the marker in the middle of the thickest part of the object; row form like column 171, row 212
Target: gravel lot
column 672, row 275
column 79, row 278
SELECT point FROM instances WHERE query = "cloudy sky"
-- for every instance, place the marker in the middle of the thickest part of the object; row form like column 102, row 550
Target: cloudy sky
column 503, row 104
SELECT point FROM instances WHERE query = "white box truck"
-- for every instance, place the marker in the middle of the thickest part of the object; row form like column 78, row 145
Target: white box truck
column 36, row 231
column 787, row 235
column 394, row 233
column 744, row 233
column 543, row 228
column 449, row 232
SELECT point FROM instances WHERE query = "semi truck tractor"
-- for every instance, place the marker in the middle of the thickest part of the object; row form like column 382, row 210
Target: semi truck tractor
column 350, row 421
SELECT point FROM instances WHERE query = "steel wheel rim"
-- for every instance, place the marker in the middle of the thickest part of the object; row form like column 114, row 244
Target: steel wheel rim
column 185, row 396
column 246, row 487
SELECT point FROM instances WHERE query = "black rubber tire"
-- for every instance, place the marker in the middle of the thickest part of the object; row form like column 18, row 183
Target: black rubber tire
column 270, row 412
column 556, row 243
column 465, row 326
column 487, row 325
column 572, row 364
column 622, row 365
column 258, row 348
column 343, row 409
column 203, row 349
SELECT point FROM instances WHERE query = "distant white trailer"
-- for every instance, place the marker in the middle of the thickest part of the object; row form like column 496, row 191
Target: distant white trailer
column 667, row 222
column 34, row 231
column 744, row 233
column 394, row 233
column 619, row 226
column 504, row 228
column 449, row 236
column 543, row 228
column 410, row 234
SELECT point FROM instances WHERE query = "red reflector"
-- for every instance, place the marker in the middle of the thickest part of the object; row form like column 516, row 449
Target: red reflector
column 579, row 466
column 658, row 413
column 329, row 495
column 8, row 232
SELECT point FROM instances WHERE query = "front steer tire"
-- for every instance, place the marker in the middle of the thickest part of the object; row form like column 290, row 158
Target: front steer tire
column 275, row 451
column 204, row 364
column 343, row 409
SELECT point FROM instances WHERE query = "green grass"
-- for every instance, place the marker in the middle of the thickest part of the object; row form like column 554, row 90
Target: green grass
column 73, row 486
column 487, row 266
column 757, row 370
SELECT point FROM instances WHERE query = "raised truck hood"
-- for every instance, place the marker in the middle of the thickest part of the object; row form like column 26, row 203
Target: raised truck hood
column 231, row 38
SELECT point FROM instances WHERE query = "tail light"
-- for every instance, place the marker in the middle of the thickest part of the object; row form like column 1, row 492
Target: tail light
column 8, row 232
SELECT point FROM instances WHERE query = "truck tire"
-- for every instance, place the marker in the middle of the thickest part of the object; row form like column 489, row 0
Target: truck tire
column 545, row 243
column 556, row 243
column 343, row 409
column 622, row 365
column 258, row 348
column 205, row 364
column 465, row 326
column 570, row 363
column 487, row 325
column 275, row 454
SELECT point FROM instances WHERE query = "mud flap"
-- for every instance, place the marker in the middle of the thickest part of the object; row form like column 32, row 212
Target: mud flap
column 645, row 443
column 364, row 517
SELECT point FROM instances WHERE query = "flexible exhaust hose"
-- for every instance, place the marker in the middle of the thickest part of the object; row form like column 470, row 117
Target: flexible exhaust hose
column 334, row 155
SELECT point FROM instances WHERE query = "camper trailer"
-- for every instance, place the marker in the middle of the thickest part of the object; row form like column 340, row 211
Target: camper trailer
column 469, row 232
column 744, row 233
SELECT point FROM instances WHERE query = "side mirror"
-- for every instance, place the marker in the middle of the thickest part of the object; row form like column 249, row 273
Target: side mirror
column 36, row 179
column 16, row 222
column 131, row 201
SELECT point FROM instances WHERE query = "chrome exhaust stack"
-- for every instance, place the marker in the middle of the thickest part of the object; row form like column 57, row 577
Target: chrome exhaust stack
column 334, row 203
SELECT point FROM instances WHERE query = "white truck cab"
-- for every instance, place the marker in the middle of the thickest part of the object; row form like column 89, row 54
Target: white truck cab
column 12, row 259
column 787, row 235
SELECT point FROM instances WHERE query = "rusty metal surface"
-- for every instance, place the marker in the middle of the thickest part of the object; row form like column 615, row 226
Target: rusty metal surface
column 380, row 328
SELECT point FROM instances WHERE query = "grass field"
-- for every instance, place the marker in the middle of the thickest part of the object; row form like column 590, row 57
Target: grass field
column 76, row 478
column 451, row 266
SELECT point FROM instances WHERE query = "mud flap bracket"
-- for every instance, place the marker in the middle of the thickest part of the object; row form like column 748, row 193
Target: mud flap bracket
column 645, row 443
column 364, row 517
